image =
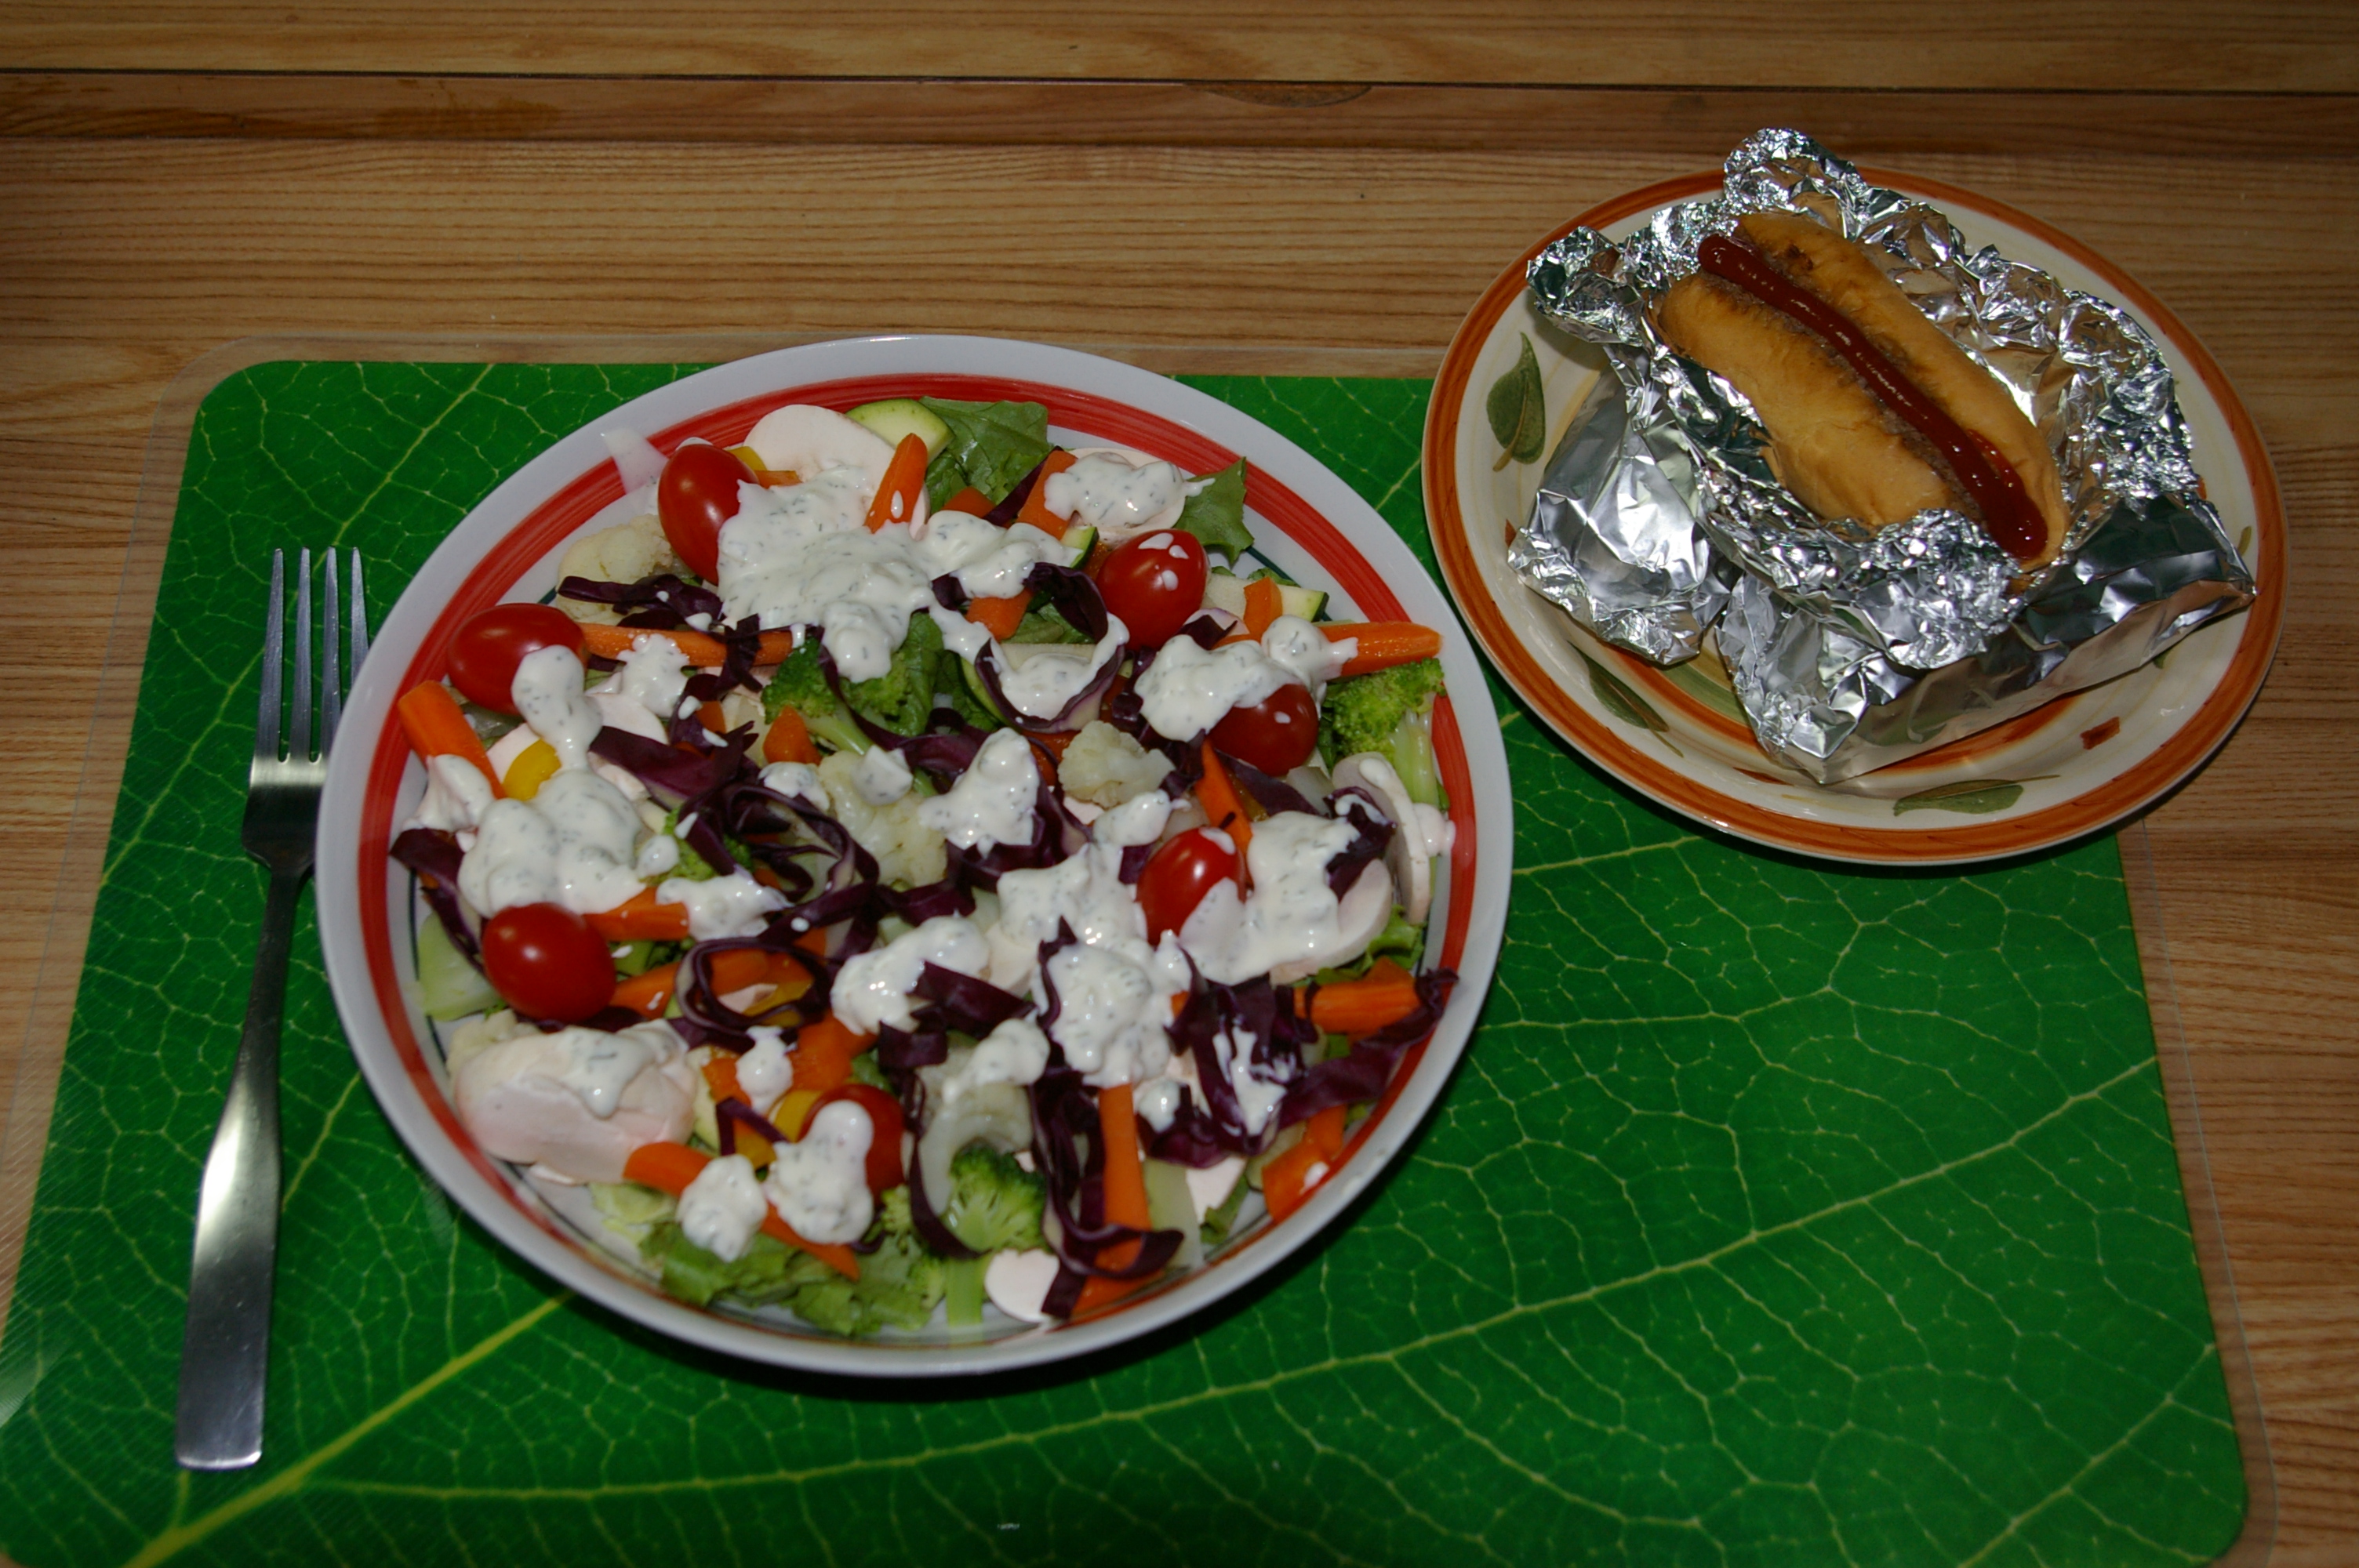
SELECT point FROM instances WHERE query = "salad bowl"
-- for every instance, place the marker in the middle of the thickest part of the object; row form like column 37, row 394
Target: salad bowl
column 1307, row 524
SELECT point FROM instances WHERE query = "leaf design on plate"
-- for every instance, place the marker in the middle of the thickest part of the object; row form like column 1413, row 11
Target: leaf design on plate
column 1517, row 407
column 1694, row 678
column 1751, row 1230
column 1975, row 797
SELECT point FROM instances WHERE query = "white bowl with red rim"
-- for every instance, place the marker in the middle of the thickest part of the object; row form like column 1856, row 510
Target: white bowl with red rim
column 1304, row 519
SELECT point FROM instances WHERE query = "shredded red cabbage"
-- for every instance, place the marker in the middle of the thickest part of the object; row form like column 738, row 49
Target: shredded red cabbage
column 1363, row 1074
column 965, row 1003
column 732, row 1114
column 659, row 604
column 1273, row 795
column 1071, row 1156
column 1372, row 834
column 671, row 775
column 1012, row 501
column 1199, row 1135
column 434, row 856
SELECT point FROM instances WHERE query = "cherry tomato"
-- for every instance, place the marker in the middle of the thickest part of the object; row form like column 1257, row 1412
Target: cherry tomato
column 1155, row 584
column 546, row 960
column 1178, row 876
column 698, row 493
column 885, row 1168
column 1277, row 734
column 488, row 648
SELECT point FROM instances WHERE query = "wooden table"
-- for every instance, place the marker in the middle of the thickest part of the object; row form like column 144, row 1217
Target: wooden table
column 177, row 175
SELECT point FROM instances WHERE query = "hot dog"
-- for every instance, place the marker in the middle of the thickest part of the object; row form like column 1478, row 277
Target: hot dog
column 1872, row 413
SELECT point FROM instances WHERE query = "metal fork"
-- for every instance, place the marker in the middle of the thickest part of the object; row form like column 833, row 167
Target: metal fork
column 226, row 1350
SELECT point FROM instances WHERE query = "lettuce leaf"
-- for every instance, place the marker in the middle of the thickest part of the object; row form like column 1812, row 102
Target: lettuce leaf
column 992, row 446
column 1216, row 514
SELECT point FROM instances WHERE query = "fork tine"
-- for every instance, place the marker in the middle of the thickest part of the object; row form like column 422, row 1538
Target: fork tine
column 360, row 623
column 298, row 743
column 331, row 683
column 273, row 658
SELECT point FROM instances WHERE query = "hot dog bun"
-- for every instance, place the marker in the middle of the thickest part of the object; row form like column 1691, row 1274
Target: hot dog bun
column 1842, row 453
column 1832, row 443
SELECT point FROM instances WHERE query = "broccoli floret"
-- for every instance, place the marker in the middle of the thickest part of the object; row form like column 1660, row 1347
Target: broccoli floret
column 994, row 1202
column 801, row 685
column 900, row 1281
column 901, row 698
column 1389, row 712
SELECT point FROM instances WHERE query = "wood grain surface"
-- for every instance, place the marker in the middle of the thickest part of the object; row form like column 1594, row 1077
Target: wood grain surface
column 1249, row 187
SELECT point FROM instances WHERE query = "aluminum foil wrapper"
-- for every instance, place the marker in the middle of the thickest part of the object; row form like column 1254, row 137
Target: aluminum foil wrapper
column 1658, row 516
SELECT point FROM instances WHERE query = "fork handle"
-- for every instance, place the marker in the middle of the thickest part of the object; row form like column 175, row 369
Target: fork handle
column 226, row 1351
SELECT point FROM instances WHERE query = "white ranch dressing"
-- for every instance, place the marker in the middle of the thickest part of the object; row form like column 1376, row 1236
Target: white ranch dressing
column 1119, row 492
column 993, row 801
column 1257, row 1098
column 571, row 844
column 798, row 781
column 766, row 1071
column 1051, row 675
column 881, row 776
column 872, row 988
column 1188, row 689
column 547, row 695
column 457, row 796
column 721, row 1208
column 819, row 1184
column 1293, row 918
column 1014, row 1052
column 733, row 905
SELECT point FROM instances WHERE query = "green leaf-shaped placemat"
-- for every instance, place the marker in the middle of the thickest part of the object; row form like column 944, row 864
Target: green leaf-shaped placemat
column 1776, row 1215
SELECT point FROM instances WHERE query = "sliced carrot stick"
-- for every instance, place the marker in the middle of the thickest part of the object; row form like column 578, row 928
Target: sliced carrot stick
column 709, row 714
column 823, row 1053
column 904, row 484
column 1000, row 617
column 1126, row 1194
column 1224, row 808
column 789, row 740
column 1386, row 994
column 1296, row 1173
column 970, row 501
column 649, row 993
column 1035, row 509
column 431, row 716
column 670, row 1167
column 1262, row 604
column 1381, row 644
column 642, row 919
column 721, row 1076
column 695, row 647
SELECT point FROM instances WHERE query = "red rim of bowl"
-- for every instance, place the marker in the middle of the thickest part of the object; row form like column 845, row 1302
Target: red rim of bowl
column 557, row 518
column 2183, row 752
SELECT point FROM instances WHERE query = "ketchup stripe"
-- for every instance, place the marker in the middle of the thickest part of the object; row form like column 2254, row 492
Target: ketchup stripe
column 2008, row 514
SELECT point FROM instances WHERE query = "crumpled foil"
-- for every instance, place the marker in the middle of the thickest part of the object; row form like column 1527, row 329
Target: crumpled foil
column 1658, row 516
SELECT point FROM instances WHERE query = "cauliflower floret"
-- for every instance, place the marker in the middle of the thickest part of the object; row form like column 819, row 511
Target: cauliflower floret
column 1106, row 767
column 625, row 552
column 907, row 852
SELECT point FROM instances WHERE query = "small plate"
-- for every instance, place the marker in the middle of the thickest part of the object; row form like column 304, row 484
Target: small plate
column 1305, row 520
column 2077, row 764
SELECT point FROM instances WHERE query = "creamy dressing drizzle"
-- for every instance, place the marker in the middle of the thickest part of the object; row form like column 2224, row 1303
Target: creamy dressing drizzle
column 1292, row 918
column 992, row 802
column 1109, row 490
column 873, row 988
column 723, row 1206
column 820, row 1185
column 547, row 695
column 733, row 905
column 571, row 844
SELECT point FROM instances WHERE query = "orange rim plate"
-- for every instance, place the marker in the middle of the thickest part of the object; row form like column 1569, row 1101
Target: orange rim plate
column 2079, row 764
